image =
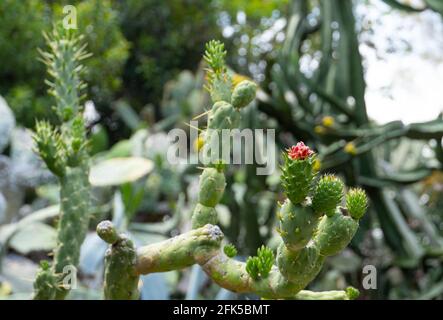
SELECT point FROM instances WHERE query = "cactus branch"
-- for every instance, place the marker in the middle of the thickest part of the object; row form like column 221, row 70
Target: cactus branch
column 64, row 150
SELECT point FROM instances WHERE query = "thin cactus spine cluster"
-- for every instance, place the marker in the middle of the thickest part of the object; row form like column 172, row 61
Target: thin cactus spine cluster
column 64, row 150
column 312, row 223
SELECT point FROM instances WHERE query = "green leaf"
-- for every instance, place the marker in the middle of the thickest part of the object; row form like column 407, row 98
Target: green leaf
column 34, row 237
column 117, row 171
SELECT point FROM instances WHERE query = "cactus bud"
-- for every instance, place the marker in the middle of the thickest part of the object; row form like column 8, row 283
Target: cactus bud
column 212, row 186
column 223, row 116
column 350, row 148
column 107, row 232
column 252, row 267
column 243, row 94
column 328, row 121
column 230, row 250
column 356, row 203
column 352, row 293
column 260, row 265
column 298, row 172
column 328, row 194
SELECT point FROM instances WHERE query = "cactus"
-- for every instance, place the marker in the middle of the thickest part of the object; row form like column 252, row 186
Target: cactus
column 121, row 280
column 312, row 224
column 64, row 150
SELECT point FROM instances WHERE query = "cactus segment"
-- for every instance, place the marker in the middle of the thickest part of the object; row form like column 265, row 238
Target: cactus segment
column 121, row 280
column 212, row 186
column 221, row 89
column 335, row 232
column 73, row 223
column 203, row 215
column 327, row 195
column 243, row 94
column 219, row 82
column 45, row 283
column 356, row 203
column 297, row 175
column 223, row 116
column 107, row 232
column 300, row 267
column 297, row 225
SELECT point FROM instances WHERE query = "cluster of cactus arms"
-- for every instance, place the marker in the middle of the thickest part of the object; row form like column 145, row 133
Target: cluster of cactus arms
column 312, row 223
column 330, row 113
column 64, row 150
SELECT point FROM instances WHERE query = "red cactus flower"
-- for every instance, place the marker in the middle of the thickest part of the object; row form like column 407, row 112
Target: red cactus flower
column 300, row 151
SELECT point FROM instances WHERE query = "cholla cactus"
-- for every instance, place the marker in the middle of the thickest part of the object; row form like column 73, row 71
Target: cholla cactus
column 312, row 224
column 64, row 150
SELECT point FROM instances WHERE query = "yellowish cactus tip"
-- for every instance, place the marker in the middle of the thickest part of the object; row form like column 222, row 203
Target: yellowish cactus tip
column 317, row 165
column 328, row 121
column 319, row 129
column 198, row 143
column 350, row 148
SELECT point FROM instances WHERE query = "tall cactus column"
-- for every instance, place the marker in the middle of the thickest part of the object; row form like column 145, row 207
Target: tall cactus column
column 222, row 117
column 64, row 150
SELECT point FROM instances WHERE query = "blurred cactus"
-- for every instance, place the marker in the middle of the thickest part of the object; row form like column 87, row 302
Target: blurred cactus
column 64, row 150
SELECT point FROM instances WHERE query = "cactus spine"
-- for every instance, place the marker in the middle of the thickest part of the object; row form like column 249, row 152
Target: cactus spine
column 312, row 224
column 64, row 150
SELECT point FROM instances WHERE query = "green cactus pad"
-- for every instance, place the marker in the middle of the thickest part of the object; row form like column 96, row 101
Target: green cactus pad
column 334, row 233
column 299, row 267
column 297, row 224
column 203, row 215
column 327, row 195
column 243, row 94
column 297, row 177
column 212, row 186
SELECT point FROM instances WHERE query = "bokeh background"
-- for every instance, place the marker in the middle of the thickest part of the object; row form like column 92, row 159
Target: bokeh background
column 359, row 81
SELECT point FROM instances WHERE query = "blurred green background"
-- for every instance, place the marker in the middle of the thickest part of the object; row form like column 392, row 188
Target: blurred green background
column 356, row 80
